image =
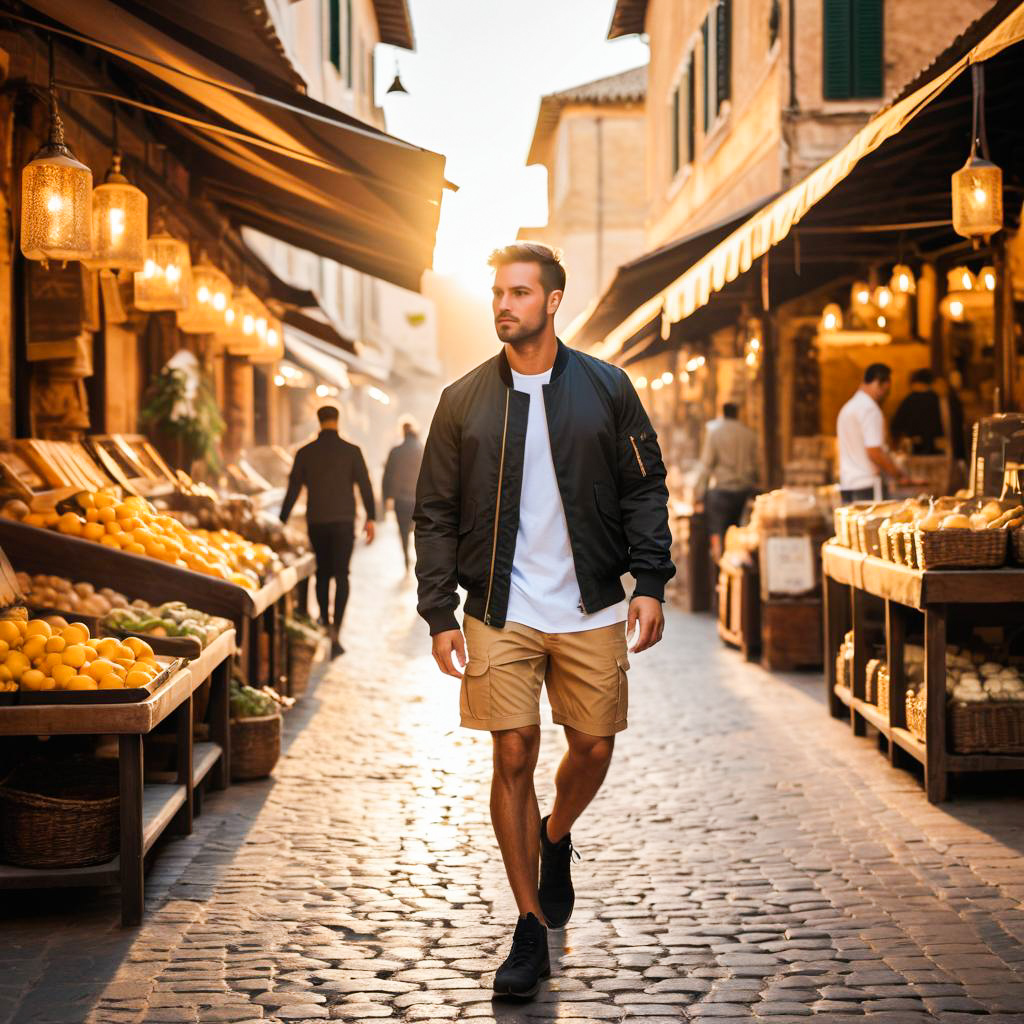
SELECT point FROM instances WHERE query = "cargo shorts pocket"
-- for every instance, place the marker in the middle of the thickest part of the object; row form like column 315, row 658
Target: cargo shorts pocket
column 622, row 700
column 475, row 696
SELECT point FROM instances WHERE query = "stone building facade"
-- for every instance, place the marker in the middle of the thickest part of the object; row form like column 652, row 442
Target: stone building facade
column 591, row 140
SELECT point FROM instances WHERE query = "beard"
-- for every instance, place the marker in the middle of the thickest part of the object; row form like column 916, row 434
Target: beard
column 520, row 332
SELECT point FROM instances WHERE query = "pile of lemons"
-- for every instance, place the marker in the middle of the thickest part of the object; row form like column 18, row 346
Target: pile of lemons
column 37, row 656
column 135, row 526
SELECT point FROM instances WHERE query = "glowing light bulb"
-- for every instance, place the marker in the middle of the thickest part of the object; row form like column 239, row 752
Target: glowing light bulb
column 54, row 204
column 980, row 195
column 261, row 328
column 322, row 390
column 988, row 279
column 248, row 323
column 882, row 297
column 172, row 273
column 220, row 301
column 279, row 380
column 149, row 270
column 751, row 359
column 272, row 337
column 116, row 217
column 657, row 384
column 203, row 294
column 956, row 308
column 667, row 377
column 881, row 321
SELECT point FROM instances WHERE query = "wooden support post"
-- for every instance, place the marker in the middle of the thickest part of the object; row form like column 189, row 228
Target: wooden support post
column 836, row 611
column 895, row 637
column 860, row 658
column 936, row 761
column 132, row 885
column 183, row 729
column 1005, row 343
column 220, row 723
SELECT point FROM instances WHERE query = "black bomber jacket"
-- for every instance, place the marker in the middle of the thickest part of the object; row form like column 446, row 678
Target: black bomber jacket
column 610, row 475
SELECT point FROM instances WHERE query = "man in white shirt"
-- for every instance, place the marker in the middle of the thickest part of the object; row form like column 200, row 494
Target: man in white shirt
column 542, row 484
column 860, row 428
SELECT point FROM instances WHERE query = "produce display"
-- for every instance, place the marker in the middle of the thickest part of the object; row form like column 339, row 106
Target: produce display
column 248, row 702
column 135, row 526
column 972, row 677
column 172, row 618
column 60, row 594
column 52, row 654
column 238, row 515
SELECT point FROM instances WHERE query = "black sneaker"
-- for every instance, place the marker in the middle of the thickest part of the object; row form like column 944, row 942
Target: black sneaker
column 528, row 962
column 555, row 892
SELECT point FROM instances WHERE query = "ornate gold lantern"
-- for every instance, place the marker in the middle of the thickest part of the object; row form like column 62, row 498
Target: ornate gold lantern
column 978, row 185
column 119, row 218
column 56, row 198
column 211, row 289
column 902, row 281
column 245, row 338
column 960, row 279
column 165, row 281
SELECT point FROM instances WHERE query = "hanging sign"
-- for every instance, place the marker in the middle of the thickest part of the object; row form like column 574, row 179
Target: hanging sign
column 54, row 304
column 787, row 565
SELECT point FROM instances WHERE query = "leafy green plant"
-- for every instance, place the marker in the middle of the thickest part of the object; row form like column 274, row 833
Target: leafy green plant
column 185, row 412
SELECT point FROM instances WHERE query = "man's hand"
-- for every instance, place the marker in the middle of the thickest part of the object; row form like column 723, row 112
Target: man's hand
column 648, row 612
column 445, row 646
column 370, row 530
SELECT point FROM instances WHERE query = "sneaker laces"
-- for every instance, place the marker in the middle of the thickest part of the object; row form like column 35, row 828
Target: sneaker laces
column 558, row 857
column 524, row 946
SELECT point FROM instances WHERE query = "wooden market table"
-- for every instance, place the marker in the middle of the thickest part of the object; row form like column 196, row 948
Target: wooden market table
column 147, row 810
column 850, row 578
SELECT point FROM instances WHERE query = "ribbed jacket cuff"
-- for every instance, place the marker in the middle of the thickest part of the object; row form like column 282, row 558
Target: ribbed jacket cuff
column 649, row 584
column 440, row 620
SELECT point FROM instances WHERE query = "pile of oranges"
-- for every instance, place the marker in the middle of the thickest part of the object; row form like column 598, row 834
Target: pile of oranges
column 135, row 526
column 37, row 656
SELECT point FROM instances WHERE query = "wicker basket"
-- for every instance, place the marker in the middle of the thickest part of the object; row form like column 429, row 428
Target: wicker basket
column 1018, row 546
column 255, row 746
column 917, row 713
column 961, row 549
column 868, row 531
column 882, row 688
column 60, row 814
column 995, row 727
column 871, row 680
column 301, row 655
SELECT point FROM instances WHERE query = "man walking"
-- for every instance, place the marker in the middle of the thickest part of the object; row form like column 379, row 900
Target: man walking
column 730, row 471
column 330, row 469
column 860, row 429
column 542, row 484
column 399, row 484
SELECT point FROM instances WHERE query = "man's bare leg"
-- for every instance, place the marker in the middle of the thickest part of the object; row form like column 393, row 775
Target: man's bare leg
column 515, row 814
column 579, row 777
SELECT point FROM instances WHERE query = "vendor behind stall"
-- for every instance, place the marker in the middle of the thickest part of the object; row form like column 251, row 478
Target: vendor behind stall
column 863, row 458
column 729, row 460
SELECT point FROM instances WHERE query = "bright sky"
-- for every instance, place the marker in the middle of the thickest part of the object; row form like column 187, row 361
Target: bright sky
column 475, row 83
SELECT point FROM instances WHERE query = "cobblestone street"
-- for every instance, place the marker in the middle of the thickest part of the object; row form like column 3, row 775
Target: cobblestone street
column 747, row 859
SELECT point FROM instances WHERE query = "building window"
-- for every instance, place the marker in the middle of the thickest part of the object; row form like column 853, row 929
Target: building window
column 691, row 110
column 716, row 46
column 334, row 33
column 348, row 43
column 684, row 117
column 852, row 63
column 675, row 116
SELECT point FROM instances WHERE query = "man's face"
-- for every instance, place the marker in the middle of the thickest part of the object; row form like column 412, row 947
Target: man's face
column 521, row 309
column 880, row 390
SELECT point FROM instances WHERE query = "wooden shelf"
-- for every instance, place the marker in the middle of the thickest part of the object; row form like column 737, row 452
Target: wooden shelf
column 204, row 757
column 160, row 803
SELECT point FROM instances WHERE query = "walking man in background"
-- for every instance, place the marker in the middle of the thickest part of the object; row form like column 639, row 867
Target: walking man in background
column 542, row 484
column 860, row 429
column 399, row 484
column 330, row 469
column 729, row 461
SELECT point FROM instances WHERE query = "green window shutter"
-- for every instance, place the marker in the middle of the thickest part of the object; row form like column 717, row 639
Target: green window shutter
column 334, row 33
column 723, row 39
column 706, row 54
column 837, row 63
column 675, row 132
column 691, row 110
column 867, row 48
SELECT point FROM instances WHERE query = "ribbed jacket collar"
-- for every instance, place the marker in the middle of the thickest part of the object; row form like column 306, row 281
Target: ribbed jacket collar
column 561, row 361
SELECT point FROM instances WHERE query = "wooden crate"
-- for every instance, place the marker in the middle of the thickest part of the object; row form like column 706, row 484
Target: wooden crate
column 739, row 619
column 791, row 633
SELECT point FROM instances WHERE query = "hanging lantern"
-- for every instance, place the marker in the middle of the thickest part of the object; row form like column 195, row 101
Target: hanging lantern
column 978, row 185
column 902, row 281
column 883, row 297
column 396, row 85
column 271, row 347
column 986, row 279
column 56, row 197
column 165, row 281
column 250, row 316
column 960, row 279
column 119, row 217
column 860, row 294
column 832, row 317
column 211, row 288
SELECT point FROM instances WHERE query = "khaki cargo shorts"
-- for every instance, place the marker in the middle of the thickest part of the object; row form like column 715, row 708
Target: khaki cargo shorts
column 585, row 674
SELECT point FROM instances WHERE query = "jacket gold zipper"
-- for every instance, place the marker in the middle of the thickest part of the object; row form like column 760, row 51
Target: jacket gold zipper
column 497, row 513
column 636, row 452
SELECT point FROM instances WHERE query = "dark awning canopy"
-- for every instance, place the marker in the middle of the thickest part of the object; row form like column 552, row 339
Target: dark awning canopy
column 635, row 282
column 273, row 158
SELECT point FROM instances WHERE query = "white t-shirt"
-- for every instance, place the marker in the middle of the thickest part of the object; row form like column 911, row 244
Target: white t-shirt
column 544, row 593
column 860, row 426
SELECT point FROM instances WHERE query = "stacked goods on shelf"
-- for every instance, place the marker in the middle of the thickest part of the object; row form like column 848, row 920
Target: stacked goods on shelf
column 135, row 526
column 38, row 656
column 947, row 532
column 170, row 619
column 811, row 462
column 985, row 703
column 55, row 593
column 240, row 516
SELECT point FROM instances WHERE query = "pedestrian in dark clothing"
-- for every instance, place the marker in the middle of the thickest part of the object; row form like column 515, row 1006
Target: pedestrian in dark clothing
column 330, row 469
column 399, row 484
column 918, row 418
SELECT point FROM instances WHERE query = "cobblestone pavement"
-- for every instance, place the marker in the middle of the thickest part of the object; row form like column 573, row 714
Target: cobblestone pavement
column 747, row 859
